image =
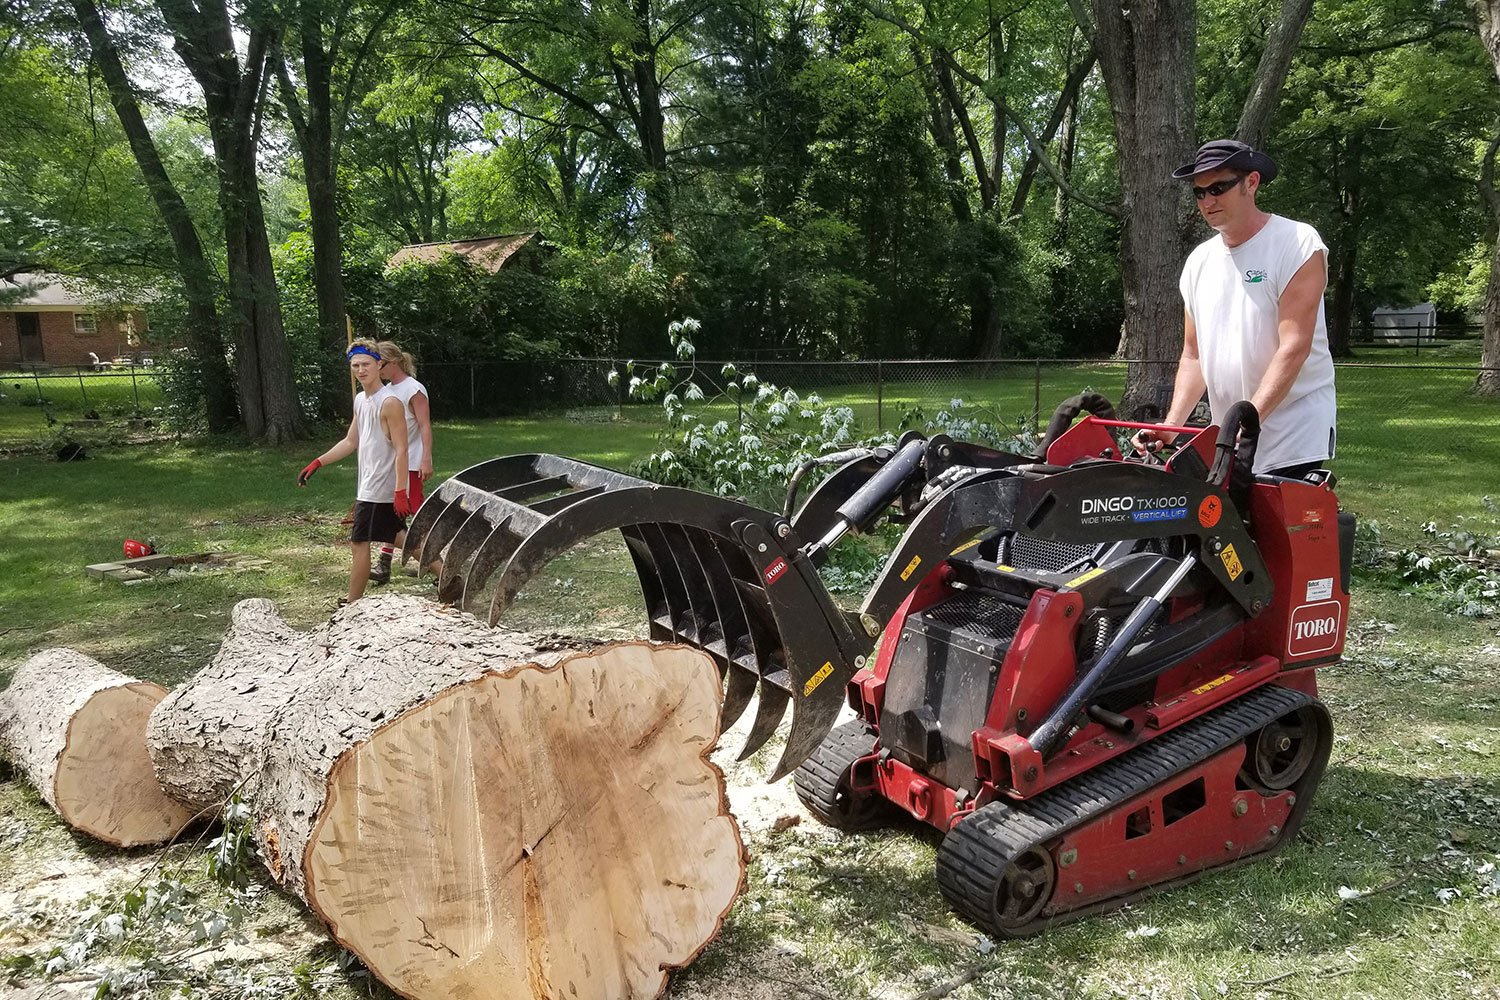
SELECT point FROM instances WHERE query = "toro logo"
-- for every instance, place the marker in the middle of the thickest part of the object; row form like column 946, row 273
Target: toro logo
column 1314, row 628
column 774, row 571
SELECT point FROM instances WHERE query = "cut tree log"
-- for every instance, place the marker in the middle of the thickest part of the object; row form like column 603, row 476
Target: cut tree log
column 472, row 813
column 77, row 731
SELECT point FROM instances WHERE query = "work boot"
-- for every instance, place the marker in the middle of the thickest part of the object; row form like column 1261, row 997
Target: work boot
column 381, row 573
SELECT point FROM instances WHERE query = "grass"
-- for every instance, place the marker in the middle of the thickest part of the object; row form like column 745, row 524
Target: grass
column 1407, row 810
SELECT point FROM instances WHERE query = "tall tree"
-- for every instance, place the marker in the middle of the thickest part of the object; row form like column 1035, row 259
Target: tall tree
column 1487, row 13
column 198, row 279
column 234, row 92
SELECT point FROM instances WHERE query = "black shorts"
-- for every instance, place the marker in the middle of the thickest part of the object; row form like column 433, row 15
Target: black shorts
column 375, row 522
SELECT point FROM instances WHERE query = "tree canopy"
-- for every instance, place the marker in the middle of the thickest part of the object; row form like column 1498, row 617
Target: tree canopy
column 857, row 179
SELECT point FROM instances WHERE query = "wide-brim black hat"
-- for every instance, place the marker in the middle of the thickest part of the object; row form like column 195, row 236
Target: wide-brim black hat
column 1228, row 154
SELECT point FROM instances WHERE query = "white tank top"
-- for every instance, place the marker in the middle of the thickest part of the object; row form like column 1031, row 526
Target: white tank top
column 404, row 391
column 1233, row 296
column 377, row 458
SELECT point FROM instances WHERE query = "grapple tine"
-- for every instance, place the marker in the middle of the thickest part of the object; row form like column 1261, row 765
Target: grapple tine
column 491, row 555
column 441, row 531
column 421, row 523
column 768, row 714
column 813, row 715
column 713, row 621
column 739, row 688
column 669, row 572
column 658, row 615
column 466, row 541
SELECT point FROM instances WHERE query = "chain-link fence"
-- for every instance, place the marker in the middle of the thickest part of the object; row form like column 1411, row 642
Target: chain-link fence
column 37, row 405
column 1405, row 409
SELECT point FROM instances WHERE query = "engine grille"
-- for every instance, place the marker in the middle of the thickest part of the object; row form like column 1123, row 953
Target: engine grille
column 978, row 615
column 1047, row 555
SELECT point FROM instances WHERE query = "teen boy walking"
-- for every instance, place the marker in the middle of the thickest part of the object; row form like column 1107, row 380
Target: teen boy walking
column 378, row 434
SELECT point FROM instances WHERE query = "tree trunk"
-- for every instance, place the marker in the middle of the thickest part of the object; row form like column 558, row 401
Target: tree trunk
column 1488, row 381
column 313, row 130
column 1487, row 14
column 1270, row 74
column 203, row 38
column 1341, row 306
column 471, row 812
column 76, row 730
column 198, row 281
column 1146, row 55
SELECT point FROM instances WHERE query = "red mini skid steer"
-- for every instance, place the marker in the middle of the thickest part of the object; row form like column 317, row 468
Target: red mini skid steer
column 1094, row 672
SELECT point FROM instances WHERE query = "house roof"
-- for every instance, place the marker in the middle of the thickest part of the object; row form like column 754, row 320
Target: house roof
column 44, row 290
column 488, row 252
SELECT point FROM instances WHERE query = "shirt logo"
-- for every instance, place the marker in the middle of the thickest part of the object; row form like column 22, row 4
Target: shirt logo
column 1253, row 277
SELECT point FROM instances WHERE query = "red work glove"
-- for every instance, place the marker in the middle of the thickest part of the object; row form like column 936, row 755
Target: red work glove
column 306, row 474
column 403, row 505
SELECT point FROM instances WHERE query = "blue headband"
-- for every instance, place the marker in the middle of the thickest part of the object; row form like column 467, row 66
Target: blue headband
column 361, row 349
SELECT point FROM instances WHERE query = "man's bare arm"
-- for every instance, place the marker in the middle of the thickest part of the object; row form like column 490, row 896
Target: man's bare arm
column 393, row 422
column 423, row 413
column 1298, row 320
column 1186, row 390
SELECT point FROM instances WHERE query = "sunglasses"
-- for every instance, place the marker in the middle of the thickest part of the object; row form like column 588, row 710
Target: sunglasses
column 1217, row 189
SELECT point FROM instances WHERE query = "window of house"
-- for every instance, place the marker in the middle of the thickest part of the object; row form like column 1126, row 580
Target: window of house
column 85, row 324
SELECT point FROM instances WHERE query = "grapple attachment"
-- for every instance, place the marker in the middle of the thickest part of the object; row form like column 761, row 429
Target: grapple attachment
column 717, row 574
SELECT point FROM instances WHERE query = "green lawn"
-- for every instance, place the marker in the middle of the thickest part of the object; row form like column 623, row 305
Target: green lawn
column 1407, row 811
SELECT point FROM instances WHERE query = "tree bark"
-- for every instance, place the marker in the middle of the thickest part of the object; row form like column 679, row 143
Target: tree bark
column 1146, row 55
column 1270, row 73
column 471, row 812
column 198, row 280
column 1341, row 307
column 76, row 730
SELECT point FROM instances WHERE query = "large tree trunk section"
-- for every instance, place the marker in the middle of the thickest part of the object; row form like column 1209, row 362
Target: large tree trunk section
column 471, row 812
column 76, row 730
column 205, row 736
column 549, row 832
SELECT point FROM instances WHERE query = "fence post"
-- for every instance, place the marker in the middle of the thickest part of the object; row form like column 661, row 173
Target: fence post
column 471, row 390
column 880, row 395
column 1036, row 384
column 40, row 399
column 135, row 391
column 81, row 390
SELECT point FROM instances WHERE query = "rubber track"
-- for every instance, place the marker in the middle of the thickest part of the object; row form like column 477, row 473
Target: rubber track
column 975, row 853
column 817, row 778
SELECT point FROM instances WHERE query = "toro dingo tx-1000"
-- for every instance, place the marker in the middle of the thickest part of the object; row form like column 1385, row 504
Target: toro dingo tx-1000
column 1094, row 672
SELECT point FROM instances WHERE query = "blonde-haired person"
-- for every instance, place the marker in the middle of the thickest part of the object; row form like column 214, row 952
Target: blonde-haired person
column 398, row 369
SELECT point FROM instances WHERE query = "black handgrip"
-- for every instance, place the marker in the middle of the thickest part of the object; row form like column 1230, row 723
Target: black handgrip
column 870, row 501
column 1235, row 449
column 1068, row 410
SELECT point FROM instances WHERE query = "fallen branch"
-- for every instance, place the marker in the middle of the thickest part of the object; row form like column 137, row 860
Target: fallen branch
column 962, row 979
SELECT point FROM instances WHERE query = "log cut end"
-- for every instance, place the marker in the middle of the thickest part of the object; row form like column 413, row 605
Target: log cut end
column 106, row 786
column 545, row 832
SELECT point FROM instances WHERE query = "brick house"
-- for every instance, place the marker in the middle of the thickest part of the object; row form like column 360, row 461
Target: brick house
column 52, row 325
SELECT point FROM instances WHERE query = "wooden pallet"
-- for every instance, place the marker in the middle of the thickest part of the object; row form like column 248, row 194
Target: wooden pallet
column 130, row 571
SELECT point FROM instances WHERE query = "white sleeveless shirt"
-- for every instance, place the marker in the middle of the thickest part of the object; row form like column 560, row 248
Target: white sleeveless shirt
column 377, row 458
column 1233, row 296
column 404, row 391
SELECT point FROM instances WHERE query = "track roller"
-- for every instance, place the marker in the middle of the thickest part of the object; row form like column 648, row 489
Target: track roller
column 824, row 780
